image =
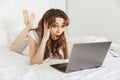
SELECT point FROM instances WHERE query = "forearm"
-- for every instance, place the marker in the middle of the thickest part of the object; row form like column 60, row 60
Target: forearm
column 67, row 51
column 39, row 56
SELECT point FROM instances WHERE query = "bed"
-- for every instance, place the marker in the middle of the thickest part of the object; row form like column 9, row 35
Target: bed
column 14, row 66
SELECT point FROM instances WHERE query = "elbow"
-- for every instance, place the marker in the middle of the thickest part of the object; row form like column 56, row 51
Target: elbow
column 32, row 62
column 66, row 57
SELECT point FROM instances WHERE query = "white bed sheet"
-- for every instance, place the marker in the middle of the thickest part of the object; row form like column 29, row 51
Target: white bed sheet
column 14, row 66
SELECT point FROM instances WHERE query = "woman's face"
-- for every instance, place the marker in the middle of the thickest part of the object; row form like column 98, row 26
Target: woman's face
column 57, row 29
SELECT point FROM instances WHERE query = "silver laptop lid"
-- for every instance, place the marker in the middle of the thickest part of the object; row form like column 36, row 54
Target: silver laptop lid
column 87, row 55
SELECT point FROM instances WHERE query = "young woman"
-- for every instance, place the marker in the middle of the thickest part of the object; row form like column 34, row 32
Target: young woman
column 49, row 39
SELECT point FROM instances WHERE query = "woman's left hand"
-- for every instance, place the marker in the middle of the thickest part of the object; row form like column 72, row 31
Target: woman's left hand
column 65, row 33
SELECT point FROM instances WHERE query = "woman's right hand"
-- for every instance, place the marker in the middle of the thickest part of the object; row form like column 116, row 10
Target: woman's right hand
column 46, row 31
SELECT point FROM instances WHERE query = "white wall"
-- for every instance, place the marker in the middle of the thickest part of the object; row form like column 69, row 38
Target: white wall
column 95, row 17
column 11, row 18
column 60, row 4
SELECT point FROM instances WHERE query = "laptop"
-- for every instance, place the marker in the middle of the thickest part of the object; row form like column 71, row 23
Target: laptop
column 85, row 56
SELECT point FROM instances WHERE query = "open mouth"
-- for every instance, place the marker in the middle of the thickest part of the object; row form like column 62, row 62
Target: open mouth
column 55, row 37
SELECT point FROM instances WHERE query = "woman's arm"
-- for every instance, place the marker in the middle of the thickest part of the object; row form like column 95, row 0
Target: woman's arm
column 37, row 55
column 67, row 49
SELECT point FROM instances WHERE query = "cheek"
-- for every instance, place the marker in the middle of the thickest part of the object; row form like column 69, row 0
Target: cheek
column 51, row 32
column 63, row 29
column 52, row 29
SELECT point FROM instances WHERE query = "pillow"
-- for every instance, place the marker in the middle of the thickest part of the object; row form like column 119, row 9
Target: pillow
column 81, row 39
column 85, row 39
column 3, row 39
column 115, row 50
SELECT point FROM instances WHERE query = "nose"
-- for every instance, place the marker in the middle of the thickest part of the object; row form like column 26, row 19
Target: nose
column 59, row 29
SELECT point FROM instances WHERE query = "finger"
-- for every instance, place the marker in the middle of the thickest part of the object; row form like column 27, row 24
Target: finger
column 65, row 33
column 45, row 24
column 49, row 29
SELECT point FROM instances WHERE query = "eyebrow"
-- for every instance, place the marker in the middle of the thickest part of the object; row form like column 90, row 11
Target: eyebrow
column 58, row 23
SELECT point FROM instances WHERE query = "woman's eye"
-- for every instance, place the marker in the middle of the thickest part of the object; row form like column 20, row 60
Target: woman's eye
column 54, row 26
column 63, row 26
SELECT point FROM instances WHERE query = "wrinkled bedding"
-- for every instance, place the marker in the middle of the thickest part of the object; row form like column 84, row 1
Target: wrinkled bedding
column 14, row 66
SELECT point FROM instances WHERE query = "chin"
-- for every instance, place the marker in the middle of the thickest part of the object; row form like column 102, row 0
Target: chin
column 54, row 39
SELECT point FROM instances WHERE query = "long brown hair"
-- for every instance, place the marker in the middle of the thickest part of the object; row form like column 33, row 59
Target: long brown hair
column 52, row 46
